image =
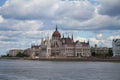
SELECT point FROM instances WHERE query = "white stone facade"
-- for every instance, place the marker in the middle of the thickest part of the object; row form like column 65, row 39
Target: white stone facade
column 59, row 46
column 116, row 47
column 14, row 52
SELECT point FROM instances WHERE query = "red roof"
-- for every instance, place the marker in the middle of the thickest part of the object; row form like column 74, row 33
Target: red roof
column 56, row 33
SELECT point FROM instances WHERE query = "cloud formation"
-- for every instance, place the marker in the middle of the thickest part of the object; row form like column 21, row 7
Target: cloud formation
column 80, row 15
column 23, row 22
column 111, row 8
column 1, row 19
column 39, row 9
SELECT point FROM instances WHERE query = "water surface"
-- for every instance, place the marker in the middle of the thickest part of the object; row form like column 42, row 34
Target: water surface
column 56, row 70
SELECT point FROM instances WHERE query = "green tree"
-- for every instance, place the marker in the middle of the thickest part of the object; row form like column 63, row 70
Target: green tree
column 21, row 55
column 110, row 52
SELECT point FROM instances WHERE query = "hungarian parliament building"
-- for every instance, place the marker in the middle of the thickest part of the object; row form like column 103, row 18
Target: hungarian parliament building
column 63, row 47
column 59, row 46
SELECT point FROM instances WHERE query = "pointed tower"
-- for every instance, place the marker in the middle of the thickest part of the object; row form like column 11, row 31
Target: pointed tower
column 56, row 27
column 63, row 35
column 88, row 42
column 42, row 42
column 48, row 46
column 68, row 36
column 56, row 34
column 72, row 36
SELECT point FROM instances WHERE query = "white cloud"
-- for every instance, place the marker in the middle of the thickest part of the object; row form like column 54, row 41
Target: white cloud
column 23, row 21
column 19, row 25
column 28, row 9
column 99, row 36
column 81, row 11
column 113, row 37
column 101, row 43
column 81, row 15
column 100, row 22
column 28, row 25
column 1, row 19
column 2, row 37
column 81, row 39
column 41, row 9
column 93, row 41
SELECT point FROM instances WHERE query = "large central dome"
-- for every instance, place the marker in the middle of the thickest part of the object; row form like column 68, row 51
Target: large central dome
column 56, row 33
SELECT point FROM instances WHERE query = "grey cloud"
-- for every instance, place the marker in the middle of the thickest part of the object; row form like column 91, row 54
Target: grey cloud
column 9, row 39
column 80, row 12
column 23, row 9
column 25, row 20
column 17, row 39
column 111, row 8
column 44, row 10
column 20, row 25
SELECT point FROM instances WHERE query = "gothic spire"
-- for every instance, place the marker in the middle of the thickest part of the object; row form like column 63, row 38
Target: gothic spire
column 63, row 35
column 68, row 35
column 72, row 36
column 88, row 42
column 56, row 27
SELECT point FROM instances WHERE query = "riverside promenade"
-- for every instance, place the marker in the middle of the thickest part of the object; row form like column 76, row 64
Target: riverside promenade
column 93, row 59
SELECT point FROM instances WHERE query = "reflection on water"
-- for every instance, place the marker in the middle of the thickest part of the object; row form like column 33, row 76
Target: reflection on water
column 51, row 70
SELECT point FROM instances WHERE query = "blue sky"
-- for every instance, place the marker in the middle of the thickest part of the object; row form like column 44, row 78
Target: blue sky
column 24, row 22
column 2, row 2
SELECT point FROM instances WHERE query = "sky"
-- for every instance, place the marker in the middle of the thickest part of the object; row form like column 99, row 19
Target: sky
column 25, row 22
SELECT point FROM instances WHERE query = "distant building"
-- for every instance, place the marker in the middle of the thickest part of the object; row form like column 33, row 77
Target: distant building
column 14, row 52
column 99, row 50
column 35, row 50
column 28, row 52
column 116, row 47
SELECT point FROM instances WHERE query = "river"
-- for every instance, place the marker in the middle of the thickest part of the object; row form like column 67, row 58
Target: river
column 57, row 70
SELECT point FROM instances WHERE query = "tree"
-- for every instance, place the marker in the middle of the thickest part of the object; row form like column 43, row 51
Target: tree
column 110, row 52
column 21, row 55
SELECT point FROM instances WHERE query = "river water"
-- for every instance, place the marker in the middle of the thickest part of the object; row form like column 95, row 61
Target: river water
column 56, row 70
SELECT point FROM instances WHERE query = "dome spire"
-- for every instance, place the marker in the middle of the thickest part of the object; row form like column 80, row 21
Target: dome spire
column 56, row 27
column 56, row 33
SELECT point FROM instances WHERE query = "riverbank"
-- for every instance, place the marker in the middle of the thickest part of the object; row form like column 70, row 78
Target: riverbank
column 93, row 59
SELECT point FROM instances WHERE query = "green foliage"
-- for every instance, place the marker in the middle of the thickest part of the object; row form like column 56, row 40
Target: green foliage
column 100, row 55
column 21, row 55
column 109, row 54
column 6, row 55
column 93, row 54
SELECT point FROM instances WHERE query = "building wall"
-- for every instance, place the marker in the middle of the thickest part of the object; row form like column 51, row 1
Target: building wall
column 116, row 47
column 99, row 50
column 35, row 51
column 28, row 52
column 14, row 52
column 59, row 46
column 71, row 49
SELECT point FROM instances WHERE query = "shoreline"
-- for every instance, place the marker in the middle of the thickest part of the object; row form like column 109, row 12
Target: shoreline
column 90, row 59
